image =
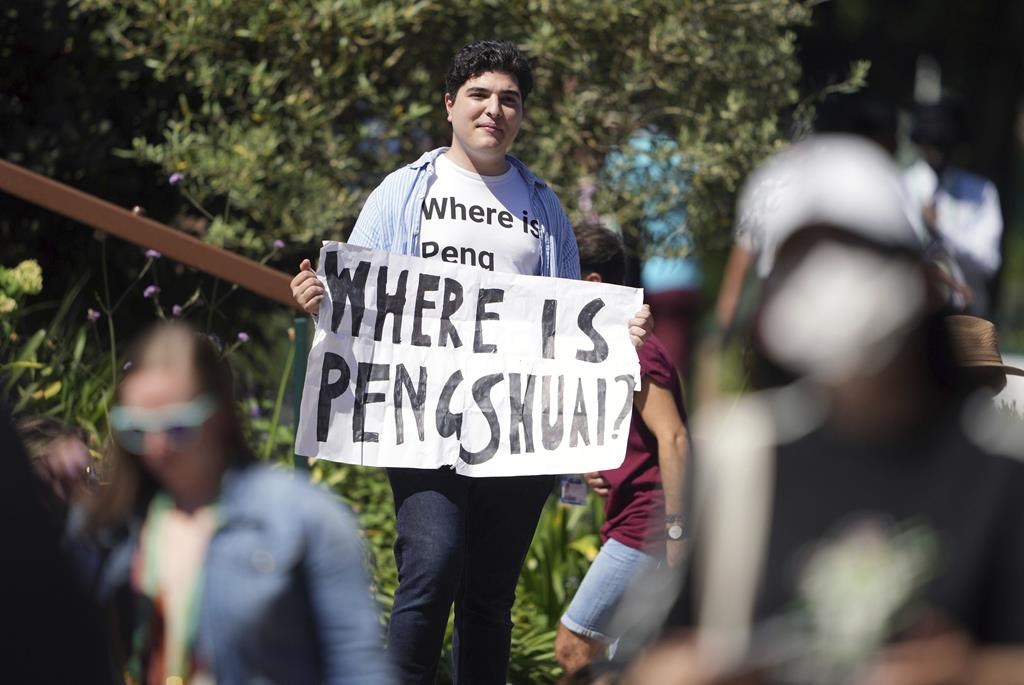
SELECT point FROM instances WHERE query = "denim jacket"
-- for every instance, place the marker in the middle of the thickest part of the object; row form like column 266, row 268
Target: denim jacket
column 390, row 220
column 285, row 596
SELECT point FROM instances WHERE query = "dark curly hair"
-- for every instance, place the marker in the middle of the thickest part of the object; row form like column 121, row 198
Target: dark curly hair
column 602, row 252
column 489, row 55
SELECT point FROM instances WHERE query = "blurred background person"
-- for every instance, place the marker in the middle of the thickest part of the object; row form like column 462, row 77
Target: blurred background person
column 230, row 571
column 643, row 497
column 961, row 207
column 49, row 629
column 851, row 527
column 60, row 459
column 878, row 121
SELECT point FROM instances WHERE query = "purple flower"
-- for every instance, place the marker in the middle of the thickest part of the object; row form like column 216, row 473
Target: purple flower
column 92, row 315
column 150, row 291
column 152, row 254
column 243, row 337
column 278, row 244
column 176, row 310
column 127, row 365
column 175, row 178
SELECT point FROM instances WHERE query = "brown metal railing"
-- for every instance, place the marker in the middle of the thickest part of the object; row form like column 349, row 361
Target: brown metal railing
column 114, row 220
column 217, row 262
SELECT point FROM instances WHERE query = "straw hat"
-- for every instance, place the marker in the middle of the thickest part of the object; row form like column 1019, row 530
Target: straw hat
column 976, row 345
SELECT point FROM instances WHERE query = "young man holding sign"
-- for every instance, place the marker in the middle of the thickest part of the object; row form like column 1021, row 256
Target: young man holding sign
column 463, row 539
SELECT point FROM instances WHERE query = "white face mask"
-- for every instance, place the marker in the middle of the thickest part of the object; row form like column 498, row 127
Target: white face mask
column 841, row 311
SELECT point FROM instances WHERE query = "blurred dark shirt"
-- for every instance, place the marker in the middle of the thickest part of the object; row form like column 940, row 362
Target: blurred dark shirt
column 892, row 528
column 48, row 628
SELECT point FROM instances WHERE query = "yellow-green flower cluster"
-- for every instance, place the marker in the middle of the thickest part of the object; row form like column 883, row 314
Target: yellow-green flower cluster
column 24, row 279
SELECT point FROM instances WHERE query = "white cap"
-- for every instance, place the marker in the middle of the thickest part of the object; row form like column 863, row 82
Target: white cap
column 838, row 180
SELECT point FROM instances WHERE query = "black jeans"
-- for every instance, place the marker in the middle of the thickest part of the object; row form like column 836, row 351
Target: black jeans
column 460, row 540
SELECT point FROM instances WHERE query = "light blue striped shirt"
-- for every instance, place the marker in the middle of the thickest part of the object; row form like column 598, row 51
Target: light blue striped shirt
column 390, row 220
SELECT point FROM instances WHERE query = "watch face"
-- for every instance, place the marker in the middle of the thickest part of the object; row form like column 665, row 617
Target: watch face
column 674, row 532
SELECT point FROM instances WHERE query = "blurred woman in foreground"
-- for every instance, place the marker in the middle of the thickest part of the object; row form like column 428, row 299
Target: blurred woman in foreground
column 230, row 571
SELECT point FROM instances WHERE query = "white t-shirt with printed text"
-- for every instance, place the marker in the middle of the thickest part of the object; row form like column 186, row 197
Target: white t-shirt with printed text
column 482, row 221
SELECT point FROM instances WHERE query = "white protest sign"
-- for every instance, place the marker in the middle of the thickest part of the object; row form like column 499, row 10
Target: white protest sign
column 422, row 363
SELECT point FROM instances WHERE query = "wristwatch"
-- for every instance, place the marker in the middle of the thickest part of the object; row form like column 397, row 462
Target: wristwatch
column 674, row 527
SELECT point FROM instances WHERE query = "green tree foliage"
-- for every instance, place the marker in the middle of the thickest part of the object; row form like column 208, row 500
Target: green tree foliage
column 290, row 111
column 66, row 100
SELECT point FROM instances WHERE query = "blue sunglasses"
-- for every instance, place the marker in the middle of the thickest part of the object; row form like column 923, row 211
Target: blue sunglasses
column 180, row 423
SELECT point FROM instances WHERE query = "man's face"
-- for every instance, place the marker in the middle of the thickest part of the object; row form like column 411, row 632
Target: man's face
column 485, row 115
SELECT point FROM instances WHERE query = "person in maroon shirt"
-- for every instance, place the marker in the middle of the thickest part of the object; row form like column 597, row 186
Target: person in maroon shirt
column 644, row 496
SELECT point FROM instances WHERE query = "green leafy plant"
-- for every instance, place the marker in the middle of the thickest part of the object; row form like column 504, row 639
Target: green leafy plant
column 50, row 370
column 61, row 357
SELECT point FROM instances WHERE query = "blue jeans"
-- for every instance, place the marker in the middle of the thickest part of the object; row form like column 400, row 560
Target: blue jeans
column 460, row 540
column 609, row 576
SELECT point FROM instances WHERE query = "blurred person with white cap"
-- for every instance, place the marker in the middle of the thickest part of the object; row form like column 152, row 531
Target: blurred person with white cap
column 766, row 203
column 755, row 244
column 849, row 527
